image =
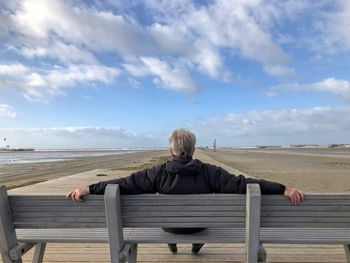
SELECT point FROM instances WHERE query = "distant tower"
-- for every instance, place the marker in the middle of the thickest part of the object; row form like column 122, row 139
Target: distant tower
column 214, row 145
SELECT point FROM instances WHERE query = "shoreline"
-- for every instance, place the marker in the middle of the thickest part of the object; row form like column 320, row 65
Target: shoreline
column 23, row 174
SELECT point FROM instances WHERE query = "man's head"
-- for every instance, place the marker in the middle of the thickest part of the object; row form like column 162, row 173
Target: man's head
column 182, row 143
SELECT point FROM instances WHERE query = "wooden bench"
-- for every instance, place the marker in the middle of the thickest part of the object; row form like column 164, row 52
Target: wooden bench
column 125, row 221
column 319, row 219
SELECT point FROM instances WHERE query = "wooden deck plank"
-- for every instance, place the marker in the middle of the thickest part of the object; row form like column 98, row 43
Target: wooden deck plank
column 210, row 253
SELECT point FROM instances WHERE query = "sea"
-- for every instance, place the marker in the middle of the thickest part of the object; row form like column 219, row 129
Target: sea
column 53, row 155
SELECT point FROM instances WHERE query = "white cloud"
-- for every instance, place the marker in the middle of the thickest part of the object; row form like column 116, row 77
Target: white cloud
column 319, row 125
column 169, row 40
column 338, row 87
column 60, row 51
column 13, row 69
column 136, row 70
column 40, row 85
column 6, row 111
column 222, row 25
column 171, row 78
column 80, row 137
column 166, row 76
column 79, row 24
column 198, row 37
column 209, row 60
column 334, row 29
column 280, row 71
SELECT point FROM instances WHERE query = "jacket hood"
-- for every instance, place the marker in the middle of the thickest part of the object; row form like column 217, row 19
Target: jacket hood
column 183, row 166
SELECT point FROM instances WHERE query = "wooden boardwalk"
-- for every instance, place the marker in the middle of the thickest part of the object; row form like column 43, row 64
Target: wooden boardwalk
column 159, row 252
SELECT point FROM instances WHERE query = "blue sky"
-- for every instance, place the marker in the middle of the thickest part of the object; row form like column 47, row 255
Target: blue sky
column 125, row 73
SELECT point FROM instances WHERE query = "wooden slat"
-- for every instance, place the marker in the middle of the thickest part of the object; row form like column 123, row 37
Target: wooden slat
column 325, row 208
column 304, row 214
column 38, row 198
column 182, row 224
column 40, row 214
column 184, row 214
column 181, row 200
column 305, row 225
column 38, row 220
column 193, row 208
column 57, row 208
column 184, row 220
column 190, row 201
column 59, row 225
column 313, row 196
column 53, row 203
column 306, row 219
column 132, row 235
column 307, row 201
column 204, row 197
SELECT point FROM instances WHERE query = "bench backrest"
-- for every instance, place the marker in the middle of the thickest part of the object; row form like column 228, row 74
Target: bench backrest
column 39, row 212
column 149, row 210
column 204, row 210
column 316, row 211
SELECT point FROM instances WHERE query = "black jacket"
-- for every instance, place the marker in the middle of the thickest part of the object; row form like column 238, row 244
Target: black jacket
column 183, row 175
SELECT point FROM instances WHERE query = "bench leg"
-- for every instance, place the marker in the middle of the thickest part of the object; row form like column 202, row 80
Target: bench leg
column 7, row 259
column 39, row 253
column 262, row 256
column 133, row 254
column 8, row 238
column 347, row 251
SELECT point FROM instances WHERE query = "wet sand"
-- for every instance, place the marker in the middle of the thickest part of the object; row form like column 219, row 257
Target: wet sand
column 310, row 170
column 17, row 175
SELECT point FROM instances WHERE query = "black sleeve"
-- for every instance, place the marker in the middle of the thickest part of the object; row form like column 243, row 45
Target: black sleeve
column 141, row 182
column 221, row 181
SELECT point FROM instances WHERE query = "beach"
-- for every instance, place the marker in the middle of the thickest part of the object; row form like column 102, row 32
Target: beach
column 311, row 170
column 300, row 169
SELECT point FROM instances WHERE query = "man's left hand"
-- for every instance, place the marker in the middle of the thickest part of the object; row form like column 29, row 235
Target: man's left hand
column 295, row 195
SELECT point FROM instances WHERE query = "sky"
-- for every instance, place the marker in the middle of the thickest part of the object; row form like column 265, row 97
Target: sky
column 108, row 74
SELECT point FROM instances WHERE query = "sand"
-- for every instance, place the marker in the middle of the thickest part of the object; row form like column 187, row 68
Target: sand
column 17, row 175
column 311, row 171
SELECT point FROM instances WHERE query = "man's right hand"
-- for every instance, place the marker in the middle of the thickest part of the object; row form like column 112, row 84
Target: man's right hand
column 77, row 194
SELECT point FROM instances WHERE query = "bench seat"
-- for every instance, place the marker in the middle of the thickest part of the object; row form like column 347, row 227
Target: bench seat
column 305, row 235
column 131, row 236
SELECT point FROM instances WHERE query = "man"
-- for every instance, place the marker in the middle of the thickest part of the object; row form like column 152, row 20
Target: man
column 184, row 175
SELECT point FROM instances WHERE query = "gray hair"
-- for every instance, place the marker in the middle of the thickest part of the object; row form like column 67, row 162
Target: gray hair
column 182, row 142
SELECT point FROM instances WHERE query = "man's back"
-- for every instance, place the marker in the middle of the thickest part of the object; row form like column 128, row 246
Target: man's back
column 184, row 175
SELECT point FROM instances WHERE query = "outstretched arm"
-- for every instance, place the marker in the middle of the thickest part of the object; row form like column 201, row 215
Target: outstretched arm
column 141, row 182
column 222, row 181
